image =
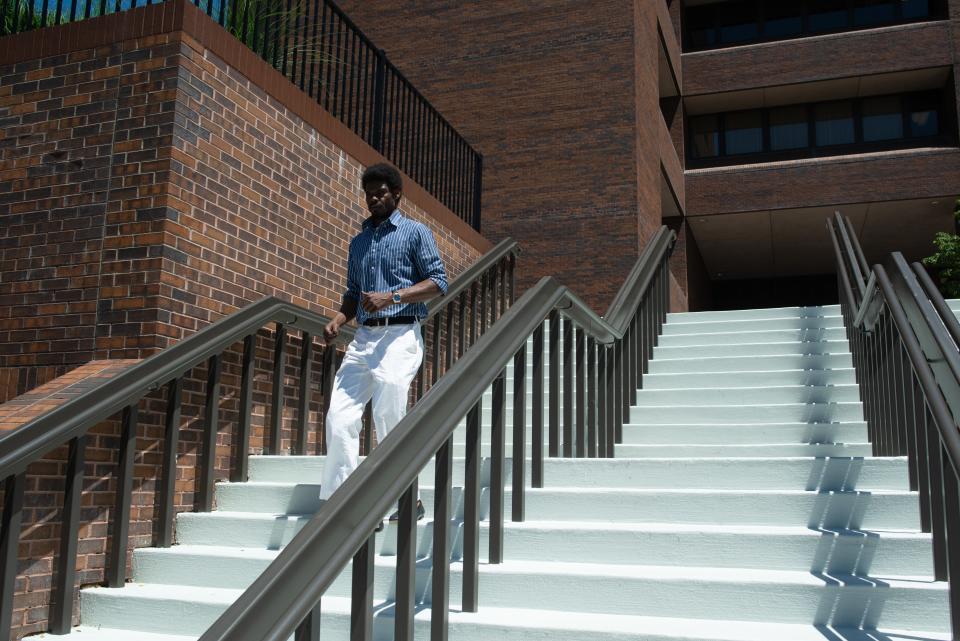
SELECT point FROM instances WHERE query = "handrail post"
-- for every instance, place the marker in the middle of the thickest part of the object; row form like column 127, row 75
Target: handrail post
column 471, row 517
column 119, row 540
column 517, row 512
column 12, row 516
column 536, row 471
column 61, row 612
column 553, row 354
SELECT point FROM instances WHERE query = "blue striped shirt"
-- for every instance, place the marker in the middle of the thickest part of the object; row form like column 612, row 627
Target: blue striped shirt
column 397, row 253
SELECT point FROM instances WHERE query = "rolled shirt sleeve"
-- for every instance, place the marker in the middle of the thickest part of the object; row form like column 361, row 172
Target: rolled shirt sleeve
column 427, row 259
column 354, row 267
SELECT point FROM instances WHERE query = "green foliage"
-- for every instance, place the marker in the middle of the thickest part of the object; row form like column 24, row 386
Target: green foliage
column 946, row 261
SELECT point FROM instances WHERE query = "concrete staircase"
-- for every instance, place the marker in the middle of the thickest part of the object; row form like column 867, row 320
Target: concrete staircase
column 743, row 505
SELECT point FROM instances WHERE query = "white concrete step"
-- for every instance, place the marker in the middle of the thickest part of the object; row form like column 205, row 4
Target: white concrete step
column 748, row 395
column 746, row 414
column 754, row 314
column 874, row 509
column 762, row 547
column 739, row 338
column 726, row 364
column 752, row 349
column 516, row 624
column 752, row 325
column 826, row 474
column 705, row 592
column 744, row 433
column 771, row 378
column 777, row 450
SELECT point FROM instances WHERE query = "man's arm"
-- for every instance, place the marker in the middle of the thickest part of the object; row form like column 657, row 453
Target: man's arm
column 416, row 293
column 348, row 310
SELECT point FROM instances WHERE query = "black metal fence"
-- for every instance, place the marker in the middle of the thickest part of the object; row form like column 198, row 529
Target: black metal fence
column 319, row 49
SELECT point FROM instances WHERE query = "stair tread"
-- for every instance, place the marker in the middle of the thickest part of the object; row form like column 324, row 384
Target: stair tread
column 622, row 625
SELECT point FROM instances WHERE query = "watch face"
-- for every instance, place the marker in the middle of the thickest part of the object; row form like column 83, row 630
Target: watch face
column 396, row 297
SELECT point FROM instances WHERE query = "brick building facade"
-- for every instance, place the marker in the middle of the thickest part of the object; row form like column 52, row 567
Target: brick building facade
column 151, row 183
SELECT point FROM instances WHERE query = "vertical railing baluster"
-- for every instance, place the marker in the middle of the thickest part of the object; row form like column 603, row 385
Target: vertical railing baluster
column 448, row 332
column 435, row 356
column 536, row 400
column 951, row 498
column 471, row 514
column 519, row 453
column 361, row 593
column 568, row 398
column 171, row 443
column 629, row 362
column 497, row 446
column 329, row 373
column 309, row 628
column 211, row 424
column 239, row 472
column 553, row 354
column 461, row 324
column 581, row 364
column 611, row 386
column 406, row 565
column 938, row 529
column 621, row 414
column 276, row 405
column 12, row 520
column 61, row 610
column 123, row 497
column 923, row 463
column 440, row 583
column 303, row 413
column 591, row 398
column 636, row 340
column 601, row 401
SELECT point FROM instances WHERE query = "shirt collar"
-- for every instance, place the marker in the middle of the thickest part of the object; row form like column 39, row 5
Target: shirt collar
column 394, row 220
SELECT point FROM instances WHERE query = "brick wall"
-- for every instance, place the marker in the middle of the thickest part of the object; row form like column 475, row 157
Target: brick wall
column 148, row 186
column 561, row 97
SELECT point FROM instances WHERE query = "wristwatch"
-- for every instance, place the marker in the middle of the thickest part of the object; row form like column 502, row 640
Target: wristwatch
column 396, row 298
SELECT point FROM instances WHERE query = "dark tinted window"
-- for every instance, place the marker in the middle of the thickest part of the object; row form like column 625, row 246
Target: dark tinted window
column 701, row 27
column 782, row 20
column 743, row 132
column 923, row 117
column 789, row 128
column 882, row 118
column 835, row 123
column 871, row 12
column 828, row 15
column 913, row 9
column 705, row 136
column 738, row 22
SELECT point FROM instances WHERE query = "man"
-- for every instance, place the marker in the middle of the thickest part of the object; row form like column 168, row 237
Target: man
column 392, row 268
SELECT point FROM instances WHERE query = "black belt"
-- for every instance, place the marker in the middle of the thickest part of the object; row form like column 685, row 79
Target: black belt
column 391, row 320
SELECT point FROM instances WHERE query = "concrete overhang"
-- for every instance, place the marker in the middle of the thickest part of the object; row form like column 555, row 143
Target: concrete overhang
column 794, row 242
column 833, row 89
column 764, row 220
column 806, row 60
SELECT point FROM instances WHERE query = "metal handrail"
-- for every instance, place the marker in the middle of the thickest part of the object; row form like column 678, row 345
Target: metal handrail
column 70, row 422
column 286, row 594
column 903, row 339
column 22, row 446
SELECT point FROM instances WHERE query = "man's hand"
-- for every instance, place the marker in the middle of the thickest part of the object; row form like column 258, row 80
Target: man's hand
column 373, row 302
column 331, row 331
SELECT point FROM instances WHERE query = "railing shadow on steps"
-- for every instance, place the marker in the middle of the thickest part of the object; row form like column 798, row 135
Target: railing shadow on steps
column 285, row 600
column 475, row 299
column 904, row 339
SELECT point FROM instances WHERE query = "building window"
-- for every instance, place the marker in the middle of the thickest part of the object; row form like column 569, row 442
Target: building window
column 789, row 127
column 736, row 22
column 827, row 15
column 868, row 13
column 835, row 123
column 782, row 20
column 838, row 126
column 705, row 136
column 743, row 133
column 882, row 118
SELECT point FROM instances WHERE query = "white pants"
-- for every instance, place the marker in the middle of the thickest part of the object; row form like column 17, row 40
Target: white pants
column 380, row 364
